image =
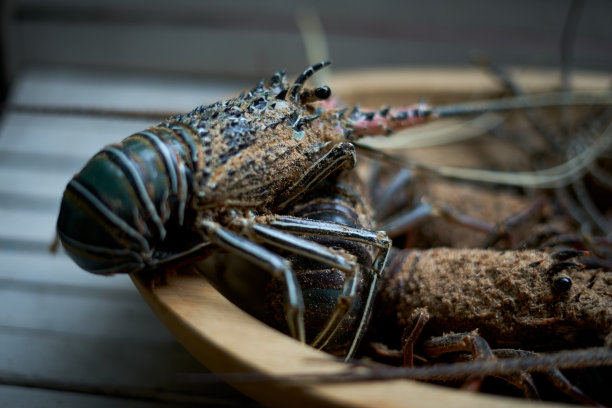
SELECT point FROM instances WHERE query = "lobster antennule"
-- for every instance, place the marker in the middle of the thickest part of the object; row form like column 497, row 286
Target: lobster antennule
column 294, row 93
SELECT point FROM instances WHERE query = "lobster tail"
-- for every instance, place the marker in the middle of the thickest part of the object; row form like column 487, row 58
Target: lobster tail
column 114, row 212
column 96, row 239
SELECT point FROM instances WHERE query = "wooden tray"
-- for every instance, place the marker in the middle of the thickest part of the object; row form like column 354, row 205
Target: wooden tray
column 227, row 340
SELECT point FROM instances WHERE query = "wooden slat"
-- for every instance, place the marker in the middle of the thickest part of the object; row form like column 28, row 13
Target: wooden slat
column 65, row 357
column 16, row 396
column 67, row 395
column 101, row 89
column 44, row 268
column 27, row 225
column 32, row 183
column 114, row 312
column 72, row 335
column 82, row 137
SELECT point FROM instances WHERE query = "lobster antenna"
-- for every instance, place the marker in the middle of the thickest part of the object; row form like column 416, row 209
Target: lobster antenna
column 294, row 93
column 568, row 38
column 438, row 133
column 433, row 135
column 567, row 359
column 314, row 39
column 544, row 100
column 552, row 177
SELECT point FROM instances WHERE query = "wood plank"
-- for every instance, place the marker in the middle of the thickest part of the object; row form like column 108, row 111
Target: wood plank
column 64, row 163
column 14, row 396
column 94, row 338
column 114, row 312
column 26, row 225
column 35, row 395
column 33, row 183
column 78, row 361
column 22, row 133
column 102, row 89
column 44, row 268
column 78, row 136
column 37, row 188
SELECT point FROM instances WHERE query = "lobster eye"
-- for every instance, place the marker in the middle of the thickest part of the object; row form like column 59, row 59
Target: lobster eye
column 322, row 92
column 562, row 283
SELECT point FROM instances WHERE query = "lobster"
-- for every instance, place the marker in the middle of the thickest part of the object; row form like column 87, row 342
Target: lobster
column 217, row 178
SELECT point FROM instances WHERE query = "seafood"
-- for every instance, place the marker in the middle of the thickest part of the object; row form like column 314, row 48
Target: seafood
column 521, row 299
column 218, row 178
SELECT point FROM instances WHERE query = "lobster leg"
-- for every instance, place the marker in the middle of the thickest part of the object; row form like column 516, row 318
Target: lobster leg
column 503, row 229
column 403, row 221
column 295, row 225
column 274, row 263
column 320, row 253
column 479, row 348
column 406, row 220
column 386, row 204
column 397, row 215
column 471, row 342
column 420, row 316
column 305, row 226
column 555, row 376
column 328, row 256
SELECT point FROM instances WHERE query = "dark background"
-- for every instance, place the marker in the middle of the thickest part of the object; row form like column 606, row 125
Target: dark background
column 246, row 38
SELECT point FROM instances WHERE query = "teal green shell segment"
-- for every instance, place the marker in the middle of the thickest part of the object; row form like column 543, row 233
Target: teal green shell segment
column 159, row 161
column 114, row 211
column 94, row 242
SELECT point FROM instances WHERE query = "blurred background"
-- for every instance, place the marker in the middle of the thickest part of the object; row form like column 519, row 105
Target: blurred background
column 250, row 39
column 71, row 338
